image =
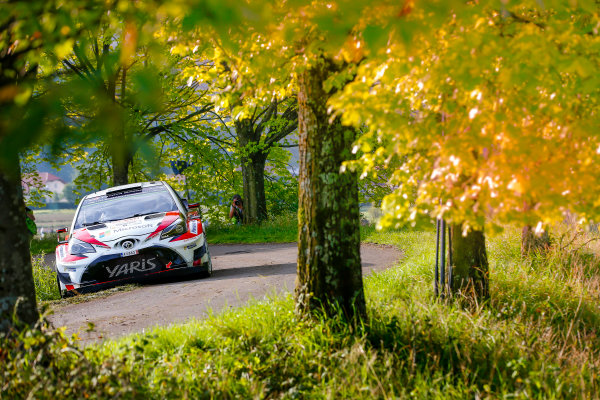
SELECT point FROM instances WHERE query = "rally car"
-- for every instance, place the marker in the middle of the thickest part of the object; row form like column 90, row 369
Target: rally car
column 129, row 232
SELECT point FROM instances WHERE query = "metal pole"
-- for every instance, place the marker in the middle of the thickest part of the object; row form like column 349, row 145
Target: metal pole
column 449, row 261
column 437, row 255
column 443, row 258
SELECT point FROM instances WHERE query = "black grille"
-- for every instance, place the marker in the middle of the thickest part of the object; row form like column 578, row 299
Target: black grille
column 148, row 261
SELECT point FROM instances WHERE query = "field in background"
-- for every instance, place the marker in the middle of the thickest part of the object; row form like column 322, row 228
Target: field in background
column 50, row 220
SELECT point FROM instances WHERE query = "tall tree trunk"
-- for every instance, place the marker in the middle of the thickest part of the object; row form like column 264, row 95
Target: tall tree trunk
column 17, row 290
column 120, row 146
column 120, row 161
column 255, row 141
column 329, row 268
column 255, row 202
column 531, row 243
column 470, row 272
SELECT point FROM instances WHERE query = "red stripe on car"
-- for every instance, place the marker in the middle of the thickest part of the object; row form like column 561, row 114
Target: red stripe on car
column 71, row 257
column 168, row 219
column 187, row 235
column 85, row 236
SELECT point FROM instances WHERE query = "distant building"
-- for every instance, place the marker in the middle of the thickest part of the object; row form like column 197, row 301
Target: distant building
column 45, row 180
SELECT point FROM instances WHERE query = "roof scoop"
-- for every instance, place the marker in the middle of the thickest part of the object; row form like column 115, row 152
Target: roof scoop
column 95, row 226
column 154, row 216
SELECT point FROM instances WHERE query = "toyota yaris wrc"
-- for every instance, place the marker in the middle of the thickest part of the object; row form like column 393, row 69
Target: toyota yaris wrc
column 128, row 232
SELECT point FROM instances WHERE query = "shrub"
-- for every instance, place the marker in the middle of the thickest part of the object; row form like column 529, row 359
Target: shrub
column 44, row 245
column 43, row 363
column 44, row 279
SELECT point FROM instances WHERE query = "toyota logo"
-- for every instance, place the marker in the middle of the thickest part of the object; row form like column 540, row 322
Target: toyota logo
column 127, row 244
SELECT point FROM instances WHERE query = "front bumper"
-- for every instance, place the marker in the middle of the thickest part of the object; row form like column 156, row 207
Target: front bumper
column 152, row 261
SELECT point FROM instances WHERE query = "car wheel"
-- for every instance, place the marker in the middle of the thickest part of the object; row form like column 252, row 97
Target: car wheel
column 60, row 291
column 207, row 267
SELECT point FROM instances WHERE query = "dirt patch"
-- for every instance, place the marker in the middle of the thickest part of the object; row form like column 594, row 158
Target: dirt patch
column 241, row 272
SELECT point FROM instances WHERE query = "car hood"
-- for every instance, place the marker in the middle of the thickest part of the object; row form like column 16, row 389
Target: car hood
column 146, row 226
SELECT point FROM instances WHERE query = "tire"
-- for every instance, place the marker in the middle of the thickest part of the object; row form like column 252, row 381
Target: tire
column 207, row 268
column 64, row 293
column 60, row 291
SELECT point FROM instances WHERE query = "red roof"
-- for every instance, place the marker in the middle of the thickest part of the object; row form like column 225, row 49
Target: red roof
column 44, row 177
column 48, row 177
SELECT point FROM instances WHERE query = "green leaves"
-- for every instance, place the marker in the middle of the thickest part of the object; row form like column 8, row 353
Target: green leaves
column 507, row 89
column 485, row 120
column 147, row 90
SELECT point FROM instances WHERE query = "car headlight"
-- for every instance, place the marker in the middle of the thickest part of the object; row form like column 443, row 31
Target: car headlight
column 176, row 228
column 80, row 247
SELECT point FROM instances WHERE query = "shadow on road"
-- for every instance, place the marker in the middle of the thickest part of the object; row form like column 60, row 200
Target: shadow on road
column 264, row 270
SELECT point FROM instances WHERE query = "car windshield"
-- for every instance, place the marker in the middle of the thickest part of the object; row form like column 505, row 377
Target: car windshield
column 100, row 209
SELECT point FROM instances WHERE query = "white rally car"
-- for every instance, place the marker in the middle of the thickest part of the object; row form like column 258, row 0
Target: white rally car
column 129, row 232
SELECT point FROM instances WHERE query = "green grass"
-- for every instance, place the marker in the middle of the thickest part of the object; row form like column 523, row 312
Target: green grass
column 536, row 338
column 44, row 245
column 281, row 229
column 44, row 279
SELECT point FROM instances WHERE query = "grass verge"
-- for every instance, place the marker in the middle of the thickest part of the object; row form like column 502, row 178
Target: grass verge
column 44, row 278
column 46, row 288
column 536, row 338
column 44, row 245
column 280, row 229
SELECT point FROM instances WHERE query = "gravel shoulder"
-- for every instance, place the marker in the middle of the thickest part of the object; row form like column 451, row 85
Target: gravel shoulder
column 241, row 272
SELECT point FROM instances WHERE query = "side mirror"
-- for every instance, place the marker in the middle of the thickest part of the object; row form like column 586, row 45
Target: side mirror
column 193, row 210
column 65, row 237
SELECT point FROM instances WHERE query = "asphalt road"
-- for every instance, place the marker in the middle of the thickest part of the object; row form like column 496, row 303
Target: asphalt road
column 240, row 273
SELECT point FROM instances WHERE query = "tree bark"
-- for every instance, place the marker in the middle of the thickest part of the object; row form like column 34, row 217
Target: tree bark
column 329, row 269
column 253, row 171
column 17, row 290
column 531, row 243
column 120, row 146
column 120, row 161
column 470, row 270
column 255, row 202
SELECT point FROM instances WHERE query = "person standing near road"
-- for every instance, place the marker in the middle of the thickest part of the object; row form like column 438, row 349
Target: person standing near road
column 237, row 209
column 30, row 222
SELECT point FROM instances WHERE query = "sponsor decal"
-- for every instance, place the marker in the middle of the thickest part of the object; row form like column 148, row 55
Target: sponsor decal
column 102, row 234
column 131, row 267
column 194, row 227
column 85, row 236
column 132, row 227
column 127, row 220
column 61, row 250
column 191, row 246
column 129, row 253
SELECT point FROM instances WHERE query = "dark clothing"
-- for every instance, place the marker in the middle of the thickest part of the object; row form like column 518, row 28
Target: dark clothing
column 238, row 214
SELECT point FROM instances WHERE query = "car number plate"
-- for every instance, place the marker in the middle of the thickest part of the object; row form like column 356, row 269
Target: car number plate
column 129, row 253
